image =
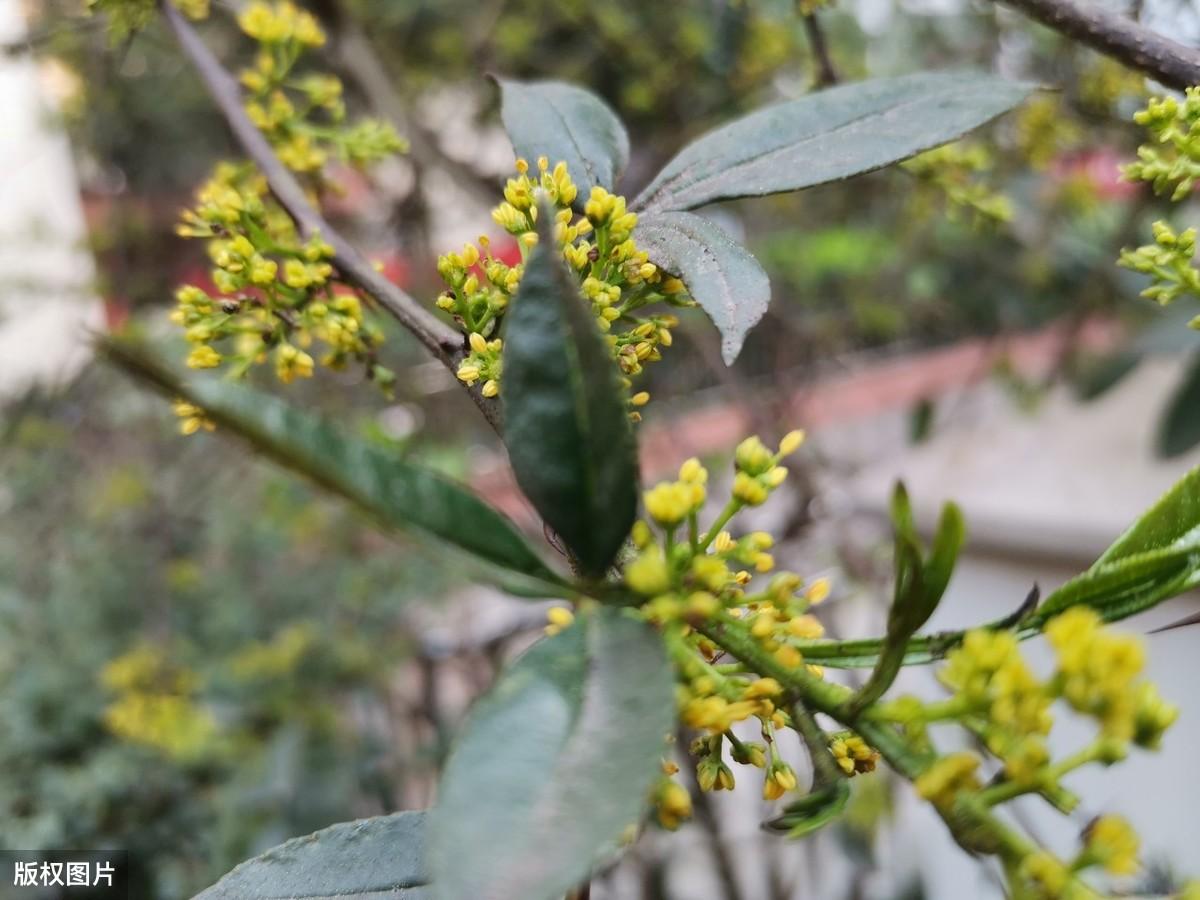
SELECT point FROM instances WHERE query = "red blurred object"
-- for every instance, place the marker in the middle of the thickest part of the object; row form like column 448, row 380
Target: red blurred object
column 1101, row 169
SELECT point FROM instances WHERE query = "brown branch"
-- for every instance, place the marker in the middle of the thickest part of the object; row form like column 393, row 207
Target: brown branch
column 1123, row 39
column 436, row 336
column 824, row 71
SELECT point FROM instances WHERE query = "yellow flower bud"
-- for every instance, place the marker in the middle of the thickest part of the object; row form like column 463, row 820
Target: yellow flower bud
column 641, row 535
column 649, row 574
column 752, row 457
column 478, row 342
column 668, row 503
column 818, row 591
column 203, row 357
column 748, row 490
column 791, row 443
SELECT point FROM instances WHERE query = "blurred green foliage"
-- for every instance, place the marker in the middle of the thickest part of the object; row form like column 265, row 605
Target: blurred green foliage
column 196, row 652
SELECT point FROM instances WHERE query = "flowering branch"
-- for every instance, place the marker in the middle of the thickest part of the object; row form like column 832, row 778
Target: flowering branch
column 1123, row 39
column 442, row 341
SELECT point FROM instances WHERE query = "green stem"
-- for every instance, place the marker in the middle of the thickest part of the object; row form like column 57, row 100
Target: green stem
column 970, row 821
column 825, row 767
column 730, row 510
column 1050, row 776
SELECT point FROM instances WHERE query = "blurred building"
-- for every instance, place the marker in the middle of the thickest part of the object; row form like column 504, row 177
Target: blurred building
column 47, row 302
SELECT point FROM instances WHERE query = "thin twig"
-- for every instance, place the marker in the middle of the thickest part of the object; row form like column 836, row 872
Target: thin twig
column 824, row 72
column 1123, row 39
column 436, row 336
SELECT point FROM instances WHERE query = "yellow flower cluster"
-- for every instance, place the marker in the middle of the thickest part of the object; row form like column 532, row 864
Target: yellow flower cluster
column 281, row 24
column 1168, row 262
column 947, row 776
column 616, row 278
column 128, row 16
column 276, row 292
column 303, row 115
column 155, row 705
column 987, row 671
column 1098, row 674
column 1112, row 843
column 955, row 170
column 1171, row 163
column 672, row 803
column 1044, row 130
column 276, row 288
column 192, row 418
column 853, row 755
column 1108, row 842
column 685, row 583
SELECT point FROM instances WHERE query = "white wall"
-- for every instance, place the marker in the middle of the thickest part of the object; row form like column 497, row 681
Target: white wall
column 46, row 298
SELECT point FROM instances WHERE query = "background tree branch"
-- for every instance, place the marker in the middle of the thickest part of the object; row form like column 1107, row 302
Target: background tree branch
column 1123, row 39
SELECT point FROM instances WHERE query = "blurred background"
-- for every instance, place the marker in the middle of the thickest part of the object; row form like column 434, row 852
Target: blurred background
column 201, row 656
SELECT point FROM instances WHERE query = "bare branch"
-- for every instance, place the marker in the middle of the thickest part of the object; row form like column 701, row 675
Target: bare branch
column 824, row 71
column 436, row 336
column 1123, row 39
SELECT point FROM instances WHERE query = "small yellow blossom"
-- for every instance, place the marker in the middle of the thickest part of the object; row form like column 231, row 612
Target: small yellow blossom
column 558, row 618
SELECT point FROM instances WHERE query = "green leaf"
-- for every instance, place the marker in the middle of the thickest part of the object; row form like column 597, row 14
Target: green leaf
column 1124, row 586
column 555, row 763
column 947, row 542
column 372, row 859
column 565, row 418
column 1173, row 520
column 396, row 493
column 829, row 135
column 1179, row 428
column 567, row 123
column 813, row 811
column 721, row 274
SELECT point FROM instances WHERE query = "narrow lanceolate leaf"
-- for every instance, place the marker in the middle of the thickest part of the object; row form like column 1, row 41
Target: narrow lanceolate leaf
column 397, row 493
column 829, row 135
column 371, row 859
column 554, row 765
column 721, row 274
column 1125, row 586
column 1173, row 521
column 920, row 583
column 565, row 418
column 567, row 123
column 1179, row 429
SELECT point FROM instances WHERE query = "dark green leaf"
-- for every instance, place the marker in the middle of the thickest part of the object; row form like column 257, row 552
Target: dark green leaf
column 555, row 763
column 565, row 418
column 1096, row 377
column 829, row 135
column 1179, row 428
column 813, row 811
column 397, row 493
column 567, row 123
column 1173, row 520
column 721, row 274
column 371, row 859
column 901, row 512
